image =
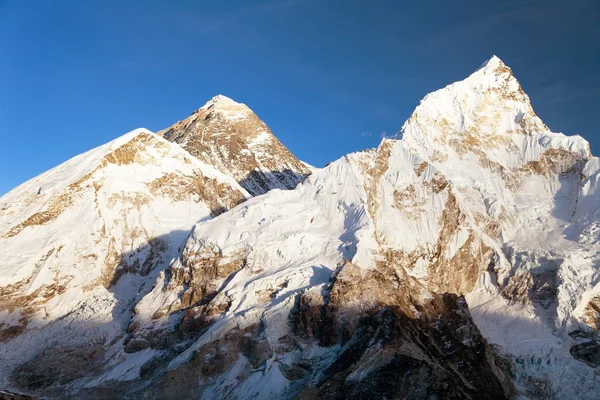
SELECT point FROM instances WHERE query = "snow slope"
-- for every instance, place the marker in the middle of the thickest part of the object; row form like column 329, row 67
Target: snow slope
column 82, row 240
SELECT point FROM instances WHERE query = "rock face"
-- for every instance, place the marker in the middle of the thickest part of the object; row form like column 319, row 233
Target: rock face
column 230, row 137
column 14, row 396
column 457, row 260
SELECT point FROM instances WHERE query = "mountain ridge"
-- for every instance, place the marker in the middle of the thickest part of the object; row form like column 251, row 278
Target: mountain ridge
column 462, row 255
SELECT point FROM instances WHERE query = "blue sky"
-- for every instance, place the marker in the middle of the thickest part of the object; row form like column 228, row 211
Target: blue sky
column 328, row 77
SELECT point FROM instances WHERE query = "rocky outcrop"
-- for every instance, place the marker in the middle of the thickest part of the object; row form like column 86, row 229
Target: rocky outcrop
column 591, row 314
column 5, row 395
column 587, row 352
column 389, row 326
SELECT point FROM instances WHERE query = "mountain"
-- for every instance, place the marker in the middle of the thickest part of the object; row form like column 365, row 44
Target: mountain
column 82, row 240
column 459, row 259
column 230, row 137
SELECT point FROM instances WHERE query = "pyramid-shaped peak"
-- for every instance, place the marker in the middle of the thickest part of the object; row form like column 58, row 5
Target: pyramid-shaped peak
column 494, row 72
column 488, row 103
column 232, row 138
column 221, row 99
column 493, row 63
column 493, row 77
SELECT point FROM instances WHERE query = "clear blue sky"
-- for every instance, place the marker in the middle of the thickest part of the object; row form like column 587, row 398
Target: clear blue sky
column 328, row 77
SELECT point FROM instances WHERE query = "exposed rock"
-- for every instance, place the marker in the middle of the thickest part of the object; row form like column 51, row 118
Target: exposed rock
column 587, row 352
column 230, row 137
column 5, row 395
column 538, row 288
column 386, row 333
column 208, row 363
column 135, row 345
column 58, row 366
column 121, row 209
column 591, row 314
column 201, row 272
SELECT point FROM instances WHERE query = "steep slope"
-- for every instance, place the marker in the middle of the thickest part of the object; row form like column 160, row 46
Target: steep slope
column 288, row 290
column 475, row 197
column 230, row 137
column 82, row 240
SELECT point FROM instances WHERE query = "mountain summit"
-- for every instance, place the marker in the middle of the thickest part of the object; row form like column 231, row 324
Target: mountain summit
column 230, row 137
column 488, row 113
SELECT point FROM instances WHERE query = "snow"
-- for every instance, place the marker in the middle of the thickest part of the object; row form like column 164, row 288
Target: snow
column 261, row 138
column 70, row 249
column 125, row 367
column 301, row 236
column 228, row 108
column 533, row 346
column 229, row 386
column 477, row 141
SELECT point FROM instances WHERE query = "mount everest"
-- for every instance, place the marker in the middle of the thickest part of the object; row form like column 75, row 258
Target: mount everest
column 459, row 259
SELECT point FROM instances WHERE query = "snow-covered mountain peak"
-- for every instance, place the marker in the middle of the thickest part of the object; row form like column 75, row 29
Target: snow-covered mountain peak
column 225, row 107
column 128, row 136
column 495, row 66
column 223, row 100
column 119, row 210
column 138, row 144
column 494, row 72
column 493, row 61
column 491, row 92
column 231, row 137
column 486, row 117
